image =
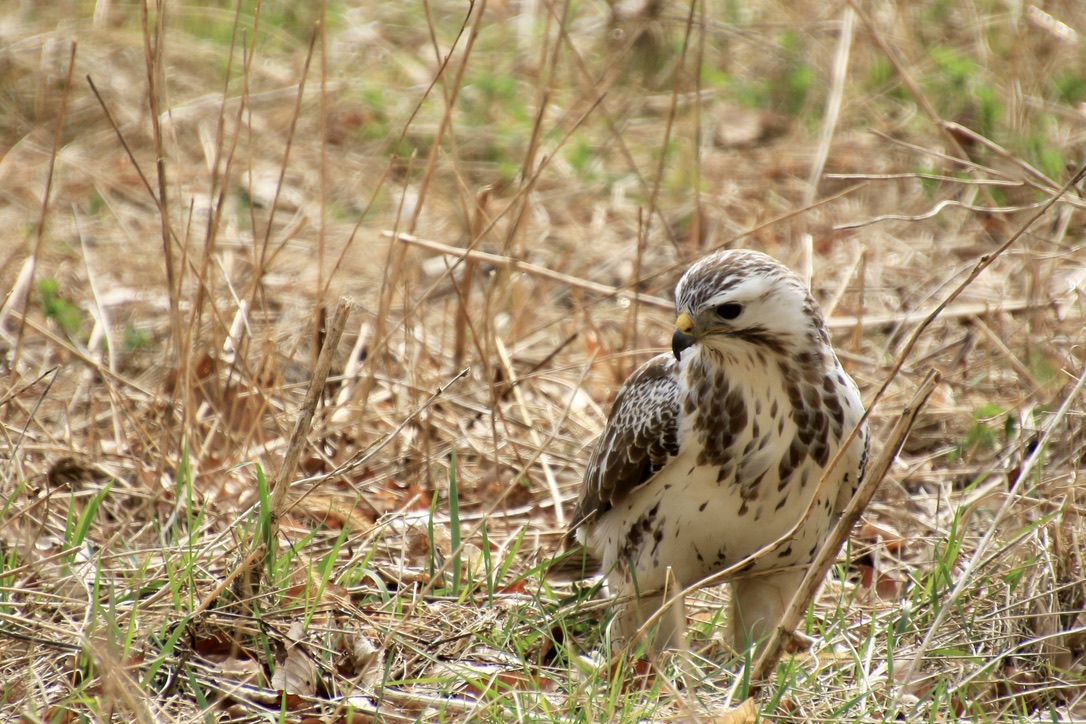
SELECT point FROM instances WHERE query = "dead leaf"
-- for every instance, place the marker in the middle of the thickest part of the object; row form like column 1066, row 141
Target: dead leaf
column 520, row 586
column 336, row 512
column 511, row 681
column 360, row 655
column 295, row 673
column 742, row 714
column 891, row 540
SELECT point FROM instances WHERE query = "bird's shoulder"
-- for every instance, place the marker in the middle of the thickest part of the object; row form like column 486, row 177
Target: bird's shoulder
column 641, row 436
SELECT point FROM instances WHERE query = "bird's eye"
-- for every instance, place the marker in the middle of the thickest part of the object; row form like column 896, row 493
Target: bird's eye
column 729, row 311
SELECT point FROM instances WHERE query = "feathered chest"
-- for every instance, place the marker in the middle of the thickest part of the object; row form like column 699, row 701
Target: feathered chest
column 756, row 419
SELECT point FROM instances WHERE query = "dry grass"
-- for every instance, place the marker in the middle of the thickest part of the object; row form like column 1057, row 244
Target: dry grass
column 178, row 243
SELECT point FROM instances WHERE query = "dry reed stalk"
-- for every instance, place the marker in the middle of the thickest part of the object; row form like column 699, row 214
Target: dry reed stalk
column 219, row 178
column 467, row 280
column 839, row 74
column 394, row 262
column 521, row 266
column 600, row 100
column 631, row 338
column 533, row 433
column 858, row 329
column 322, row 134
column 39, row 231
column 699, row 229
column 17, row 295
column 154, row 57
column 263, row 259
column 313, row 394
column 1004, row 182
column 658, row 177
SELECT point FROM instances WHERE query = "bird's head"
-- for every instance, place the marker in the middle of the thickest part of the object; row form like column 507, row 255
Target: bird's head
column 738, row 298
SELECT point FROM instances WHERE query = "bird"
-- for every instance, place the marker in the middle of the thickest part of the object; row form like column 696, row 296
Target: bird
column 716, row 450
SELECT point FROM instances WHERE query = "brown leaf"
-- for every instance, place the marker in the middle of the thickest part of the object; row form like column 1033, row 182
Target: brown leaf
column 891, row 540
column 356, row 718
column 743, row 714
column 335, row 512
column 520, row 586
column 885, row 586
column 296, row 674
column 55, row 715
column 293, row 702
column 359, row 654
column 417, row 498
column 217, row 644
column 512, row 681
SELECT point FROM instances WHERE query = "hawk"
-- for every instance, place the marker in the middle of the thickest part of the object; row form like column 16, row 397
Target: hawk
column 716, row 450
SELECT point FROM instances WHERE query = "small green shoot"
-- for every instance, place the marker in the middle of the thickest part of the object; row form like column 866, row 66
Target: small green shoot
column 324, row 572
column 454, row 524
column 82, row 526
column 59, row 308
column 135, row 339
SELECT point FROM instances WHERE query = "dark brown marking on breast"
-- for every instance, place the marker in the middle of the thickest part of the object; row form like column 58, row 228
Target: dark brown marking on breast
column 751, row 488
column 797, row 451
column 658, row 535
column 637, row 532
column 725, row 473
column 690, row 405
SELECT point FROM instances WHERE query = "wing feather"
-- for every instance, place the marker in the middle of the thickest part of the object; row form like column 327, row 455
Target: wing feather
column 640, row 437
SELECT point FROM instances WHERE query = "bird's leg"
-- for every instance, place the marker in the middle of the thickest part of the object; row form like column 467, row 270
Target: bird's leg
column 758, row 604
column 633, row 610
column 637, row 607
column 671, row 633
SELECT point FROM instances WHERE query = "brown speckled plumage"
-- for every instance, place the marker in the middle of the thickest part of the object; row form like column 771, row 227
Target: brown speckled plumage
column 715, row 451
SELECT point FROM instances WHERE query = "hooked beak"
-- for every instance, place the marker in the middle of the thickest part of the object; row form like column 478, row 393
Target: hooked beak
column 683, row 336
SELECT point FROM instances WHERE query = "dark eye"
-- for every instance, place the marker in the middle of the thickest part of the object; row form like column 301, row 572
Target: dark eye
column 729, row 311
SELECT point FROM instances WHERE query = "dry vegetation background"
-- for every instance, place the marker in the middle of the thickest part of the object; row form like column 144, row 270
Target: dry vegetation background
column 186, row 192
